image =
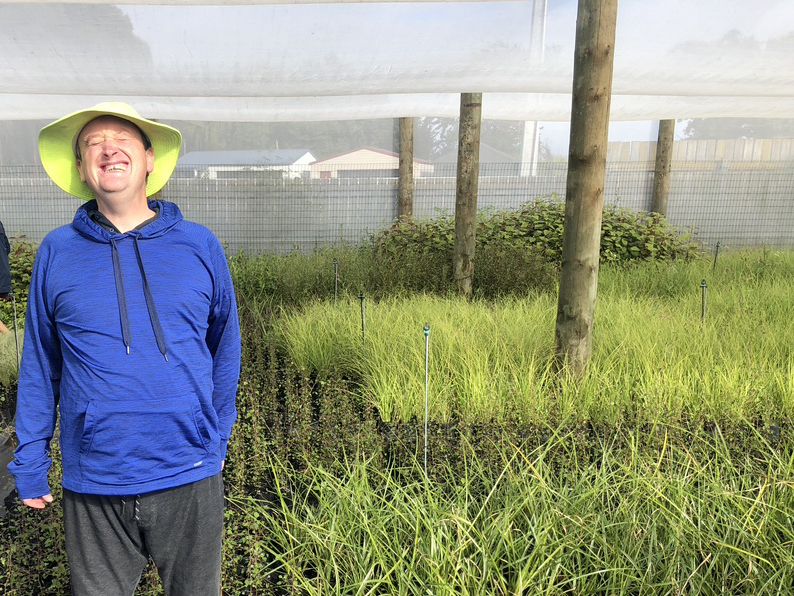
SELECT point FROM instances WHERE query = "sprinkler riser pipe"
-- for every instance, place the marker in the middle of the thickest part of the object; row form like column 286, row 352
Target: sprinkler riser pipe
column 336, row 279
column 427, row 386
column 363, row 319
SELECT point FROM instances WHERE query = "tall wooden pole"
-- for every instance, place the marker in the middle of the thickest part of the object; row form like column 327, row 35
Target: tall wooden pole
column 467, row 188
column 584, row 196
column 405, row 185
column 661, row 175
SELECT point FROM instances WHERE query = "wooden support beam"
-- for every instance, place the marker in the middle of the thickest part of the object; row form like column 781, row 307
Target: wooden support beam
column 405, row 183
column 664, row 159
column 584, row 196
column 467, row 189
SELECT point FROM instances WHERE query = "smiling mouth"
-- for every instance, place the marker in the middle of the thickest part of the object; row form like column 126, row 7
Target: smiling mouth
column 114, row 168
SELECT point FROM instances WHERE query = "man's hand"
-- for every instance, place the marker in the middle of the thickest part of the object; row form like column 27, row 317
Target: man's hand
column 5, row 297
column 39, row 503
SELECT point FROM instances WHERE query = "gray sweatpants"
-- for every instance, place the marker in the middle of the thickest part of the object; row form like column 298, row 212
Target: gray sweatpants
column 109, row 540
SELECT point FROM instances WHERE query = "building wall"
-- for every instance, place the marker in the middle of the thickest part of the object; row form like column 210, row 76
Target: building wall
column 363, row 161
column 739, row 150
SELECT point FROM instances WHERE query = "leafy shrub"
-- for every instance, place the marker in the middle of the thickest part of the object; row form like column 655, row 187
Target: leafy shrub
column 416, row 256
column 517, row 252
column 21, row 259
column 626, row 236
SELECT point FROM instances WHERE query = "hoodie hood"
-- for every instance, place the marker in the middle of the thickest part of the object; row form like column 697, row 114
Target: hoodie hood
column 168, row 216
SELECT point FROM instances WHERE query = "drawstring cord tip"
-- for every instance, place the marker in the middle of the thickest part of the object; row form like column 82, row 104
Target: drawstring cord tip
column 128, row 350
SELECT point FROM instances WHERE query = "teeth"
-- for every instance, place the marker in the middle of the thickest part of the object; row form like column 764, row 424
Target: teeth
column 115, row 168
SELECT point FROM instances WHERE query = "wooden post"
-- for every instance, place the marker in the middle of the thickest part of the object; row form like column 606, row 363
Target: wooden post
column 584, row 197
column 405, row 202
column 466, row 191
column 661, row 175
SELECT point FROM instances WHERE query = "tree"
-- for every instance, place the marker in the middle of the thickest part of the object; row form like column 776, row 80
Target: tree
column 435, row 136
column 439, row 136
column 739, row 128
column 770, row 56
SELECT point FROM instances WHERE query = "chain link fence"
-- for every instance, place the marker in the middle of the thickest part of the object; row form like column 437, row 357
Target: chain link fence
column 739, row 204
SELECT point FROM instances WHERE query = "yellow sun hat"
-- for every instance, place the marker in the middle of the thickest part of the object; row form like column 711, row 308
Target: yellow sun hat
column 57, row 142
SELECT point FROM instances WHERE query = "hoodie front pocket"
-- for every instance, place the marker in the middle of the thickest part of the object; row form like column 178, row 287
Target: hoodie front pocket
column 156, row 440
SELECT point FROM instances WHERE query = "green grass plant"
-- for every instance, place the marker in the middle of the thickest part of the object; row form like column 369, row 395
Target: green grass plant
column 9, row 372
column 477, row 380
column 8, row 356
column 655, row 359
column 667, row 470
column 636, row 516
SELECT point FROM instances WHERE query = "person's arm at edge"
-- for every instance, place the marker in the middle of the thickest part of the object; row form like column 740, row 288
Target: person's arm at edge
column 37, row 394
column 4, row 243
column 6, row 282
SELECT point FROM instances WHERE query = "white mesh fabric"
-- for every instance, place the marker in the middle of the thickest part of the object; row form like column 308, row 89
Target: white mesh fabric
column 336, row 60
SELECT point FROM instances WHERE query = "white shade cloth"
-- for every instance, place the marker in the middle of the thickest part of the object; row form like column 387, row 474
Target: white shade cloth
column 295, row 61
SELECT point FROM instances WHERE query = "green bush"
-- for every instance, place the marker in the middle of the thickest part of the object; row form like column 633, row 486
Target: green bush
column 416, row 256
column 21, row 260
column 626, row 236
column 518, row 252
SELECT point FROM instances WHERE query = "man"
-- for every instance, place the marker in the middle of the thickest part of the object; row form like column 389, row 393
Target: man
column 132, row 330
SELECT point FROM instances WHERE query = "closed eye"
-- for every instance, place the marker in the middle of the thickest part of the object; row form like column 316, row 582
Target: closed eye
column 96, row 141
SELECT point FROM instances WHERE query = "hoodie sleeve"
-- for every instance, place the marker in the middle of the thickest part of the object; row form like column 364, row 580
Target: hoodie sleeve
column 39, row 387
column 223, row 340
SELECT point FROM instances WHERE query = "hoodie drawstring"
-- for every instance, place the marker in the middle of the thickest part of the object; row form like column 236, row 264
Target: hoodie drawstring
column 126, row 334
column 122, row 298
column 147, row 292
column 136, row 511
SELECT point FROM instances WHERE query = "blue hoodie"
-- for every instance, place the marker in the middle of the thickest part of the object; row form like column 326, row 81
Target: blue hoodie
column 136, row 337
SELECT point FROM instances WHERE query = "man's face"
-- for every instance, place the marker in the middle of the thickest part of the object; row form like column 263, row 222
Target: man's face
column 113, row 157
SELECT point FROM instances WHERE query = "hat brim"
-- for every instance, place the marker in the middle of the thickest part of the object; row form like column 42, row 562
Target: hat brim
column 57, row 140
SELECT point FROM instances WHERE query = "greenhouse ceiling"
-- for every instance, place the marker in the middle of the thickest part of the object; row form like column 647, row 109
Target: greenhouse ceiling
column 329, row 60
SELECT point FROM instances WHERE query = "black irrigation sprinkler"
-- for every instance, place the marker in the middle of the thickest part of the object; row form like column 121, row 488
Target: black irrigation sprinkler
column 716, row 254
column 704, row 292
